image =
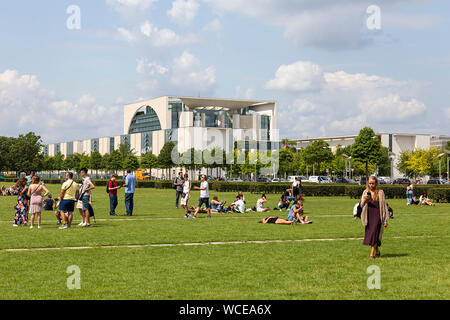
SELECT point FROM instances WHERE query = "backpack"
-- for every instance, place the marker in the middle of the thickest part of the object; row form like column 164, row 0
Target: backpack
column 357, row 210
column 107, row 187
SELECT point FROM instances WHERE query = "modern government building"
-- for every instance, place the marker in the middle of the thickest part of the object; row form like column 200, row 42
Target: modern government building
column 199, row 123
column 206, row 123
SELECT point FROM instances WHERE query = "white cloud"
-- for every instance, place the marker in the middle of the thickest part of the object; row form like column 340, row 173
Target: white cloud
column 185, row 75
column 151, row 68
column 214, row 26
column 326, row 23
column 183, row 12
column 299, row 76
column 26, row 106
column 149, row 34
column 244, row 94
column 131, row 9
column 342, row 103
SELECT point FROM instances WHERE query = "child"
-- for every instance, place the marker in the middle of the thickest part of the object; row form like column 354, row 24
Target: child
column 57, row 213
column 48, row 203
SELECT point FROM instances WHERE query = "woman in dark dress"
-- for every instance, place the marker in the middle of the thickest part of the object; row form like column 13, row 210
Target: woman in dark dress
column 21, row 216
column 373, row 216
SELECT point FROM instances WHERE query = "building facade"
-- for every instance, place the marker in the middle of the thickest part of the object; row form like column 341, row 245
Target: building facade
column 199, row 123
column 396, row 142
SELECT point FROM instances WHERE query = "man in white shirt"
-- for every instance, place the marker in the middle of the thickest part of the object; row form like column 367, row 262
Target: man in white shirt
column 239, row 205
column 186, row 194
column 204, row 196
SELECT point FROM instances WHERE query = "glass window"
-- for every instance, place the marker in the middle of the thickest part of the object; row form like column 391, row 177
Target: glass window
column 145, row 121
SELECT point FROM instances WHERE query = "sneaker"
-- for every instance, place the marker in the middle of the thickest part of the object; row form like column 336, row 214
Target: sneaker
column 64, row 226
column 186, row 216
column 88, row 225
column 58, row 223
column 193, row 217
column 39, row 227
column 208, row 217
column 31, row 227
column 81, row 224
column 15, row 225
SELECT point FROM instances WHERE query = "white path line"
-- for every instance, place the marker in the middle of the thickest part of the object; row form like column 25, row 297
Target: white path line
column 181, row 218
column 204, row 243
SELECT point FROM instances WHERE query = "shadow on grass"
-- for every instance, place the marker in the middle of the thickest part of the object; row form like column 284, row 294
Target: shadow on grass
column 394, row 255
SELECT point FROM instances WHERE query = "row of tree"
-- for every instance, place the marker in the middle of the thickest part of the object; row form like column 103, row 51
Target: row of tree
column 423, row 162
column 367, row 156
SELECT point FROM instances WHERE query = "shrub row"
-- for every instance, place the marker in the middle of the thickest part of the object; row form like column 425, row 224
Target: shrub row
column 438, row 193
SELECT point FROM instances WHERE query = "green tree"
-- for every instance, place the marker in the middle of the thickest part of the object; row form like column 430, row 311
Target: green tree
column 367, row 148
column 26, row 154
column 131, row 162
column 286, row 162
column 5, row 156
column 402, row 165
column 165, row 156
column 149, row 161
column 95, row 161
column 72, row 162
column 114, row 161
column 318, row 153
column 58, row 162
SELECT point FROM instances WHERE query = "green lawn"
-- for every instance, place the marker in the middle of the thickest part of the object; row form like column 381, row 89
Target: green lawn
column 414, row 263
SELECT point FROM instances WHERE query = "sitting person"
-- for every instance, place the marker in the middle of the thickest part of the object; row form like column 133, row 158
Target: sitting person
column 288, row 194
column 390, row 211
column 296, row 214
column 237, row 206
column 11, row 191
column 217, row 206
column 260, row 204
column 48, row 203
column 201, row 210
column 276, row 220
column 241, row 195
column 283, row 203
column 423, row 200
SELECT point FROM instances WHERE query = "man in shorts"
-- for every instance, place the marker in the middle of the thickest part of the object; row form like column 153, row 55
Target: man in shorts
column 85, row 196
column 67, row 199
column 186, row 194
column 204, row 196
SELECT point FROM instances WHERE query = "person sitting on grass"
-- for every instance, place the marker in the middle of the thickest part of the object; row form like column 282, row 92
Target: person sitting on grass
column 288, row 194
column 48, row 203
column 276, row 220
column 237, row 206
column 423, row 200
column 260, row 204
column 217, row 206
column 283, row 203
column 296, row 214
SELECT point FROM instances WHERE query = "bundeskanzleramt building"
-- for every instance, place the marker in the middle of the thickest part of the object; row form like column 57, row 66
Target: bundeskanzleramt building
column 199, row 123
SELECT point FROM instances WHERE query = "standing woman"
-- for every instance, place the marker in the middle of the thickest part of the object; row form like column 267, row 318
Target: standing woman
column 36, row 199
column 373, row 216
column 21, row 216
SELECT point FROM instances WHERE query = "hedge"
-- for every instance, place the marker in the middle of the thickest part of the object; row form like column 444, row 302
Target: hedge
column 438, row 193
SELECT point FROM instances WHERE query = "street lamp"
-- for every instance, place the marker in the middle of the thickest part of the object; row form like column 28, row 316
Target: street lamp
column 439, row 157
column 392, row 157
column 348, row 169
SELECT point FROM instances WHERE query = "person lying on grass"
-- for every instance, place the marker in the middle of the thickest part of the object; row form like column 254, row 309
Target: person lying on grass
column 276, row 220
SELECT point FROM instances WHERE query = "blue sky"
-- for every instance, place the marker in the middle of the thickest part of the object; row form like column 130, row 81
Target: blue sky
column 328, row 72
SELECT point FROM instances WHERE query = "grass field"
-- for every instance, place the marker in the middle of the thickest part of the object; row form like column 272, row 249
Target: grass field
column 237, row 265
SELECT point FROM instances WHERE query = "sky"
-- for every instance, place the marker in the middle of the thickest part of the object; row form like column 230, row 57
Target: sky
column 68, row 67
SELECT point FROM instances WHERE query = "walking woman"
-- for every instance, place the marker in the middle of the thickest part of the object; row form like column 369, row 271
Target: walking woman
column 21, row 216
column 374, row 215
column 36, row 199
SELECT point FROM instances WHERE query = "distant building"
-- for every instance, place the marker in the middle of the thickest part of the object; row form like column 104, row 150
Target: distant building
column 200, row 123
column 396, row 142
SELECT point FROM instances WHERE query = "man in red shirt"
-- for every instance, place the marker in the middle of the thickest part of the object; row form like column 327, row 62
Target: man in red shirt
column 112, row 190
